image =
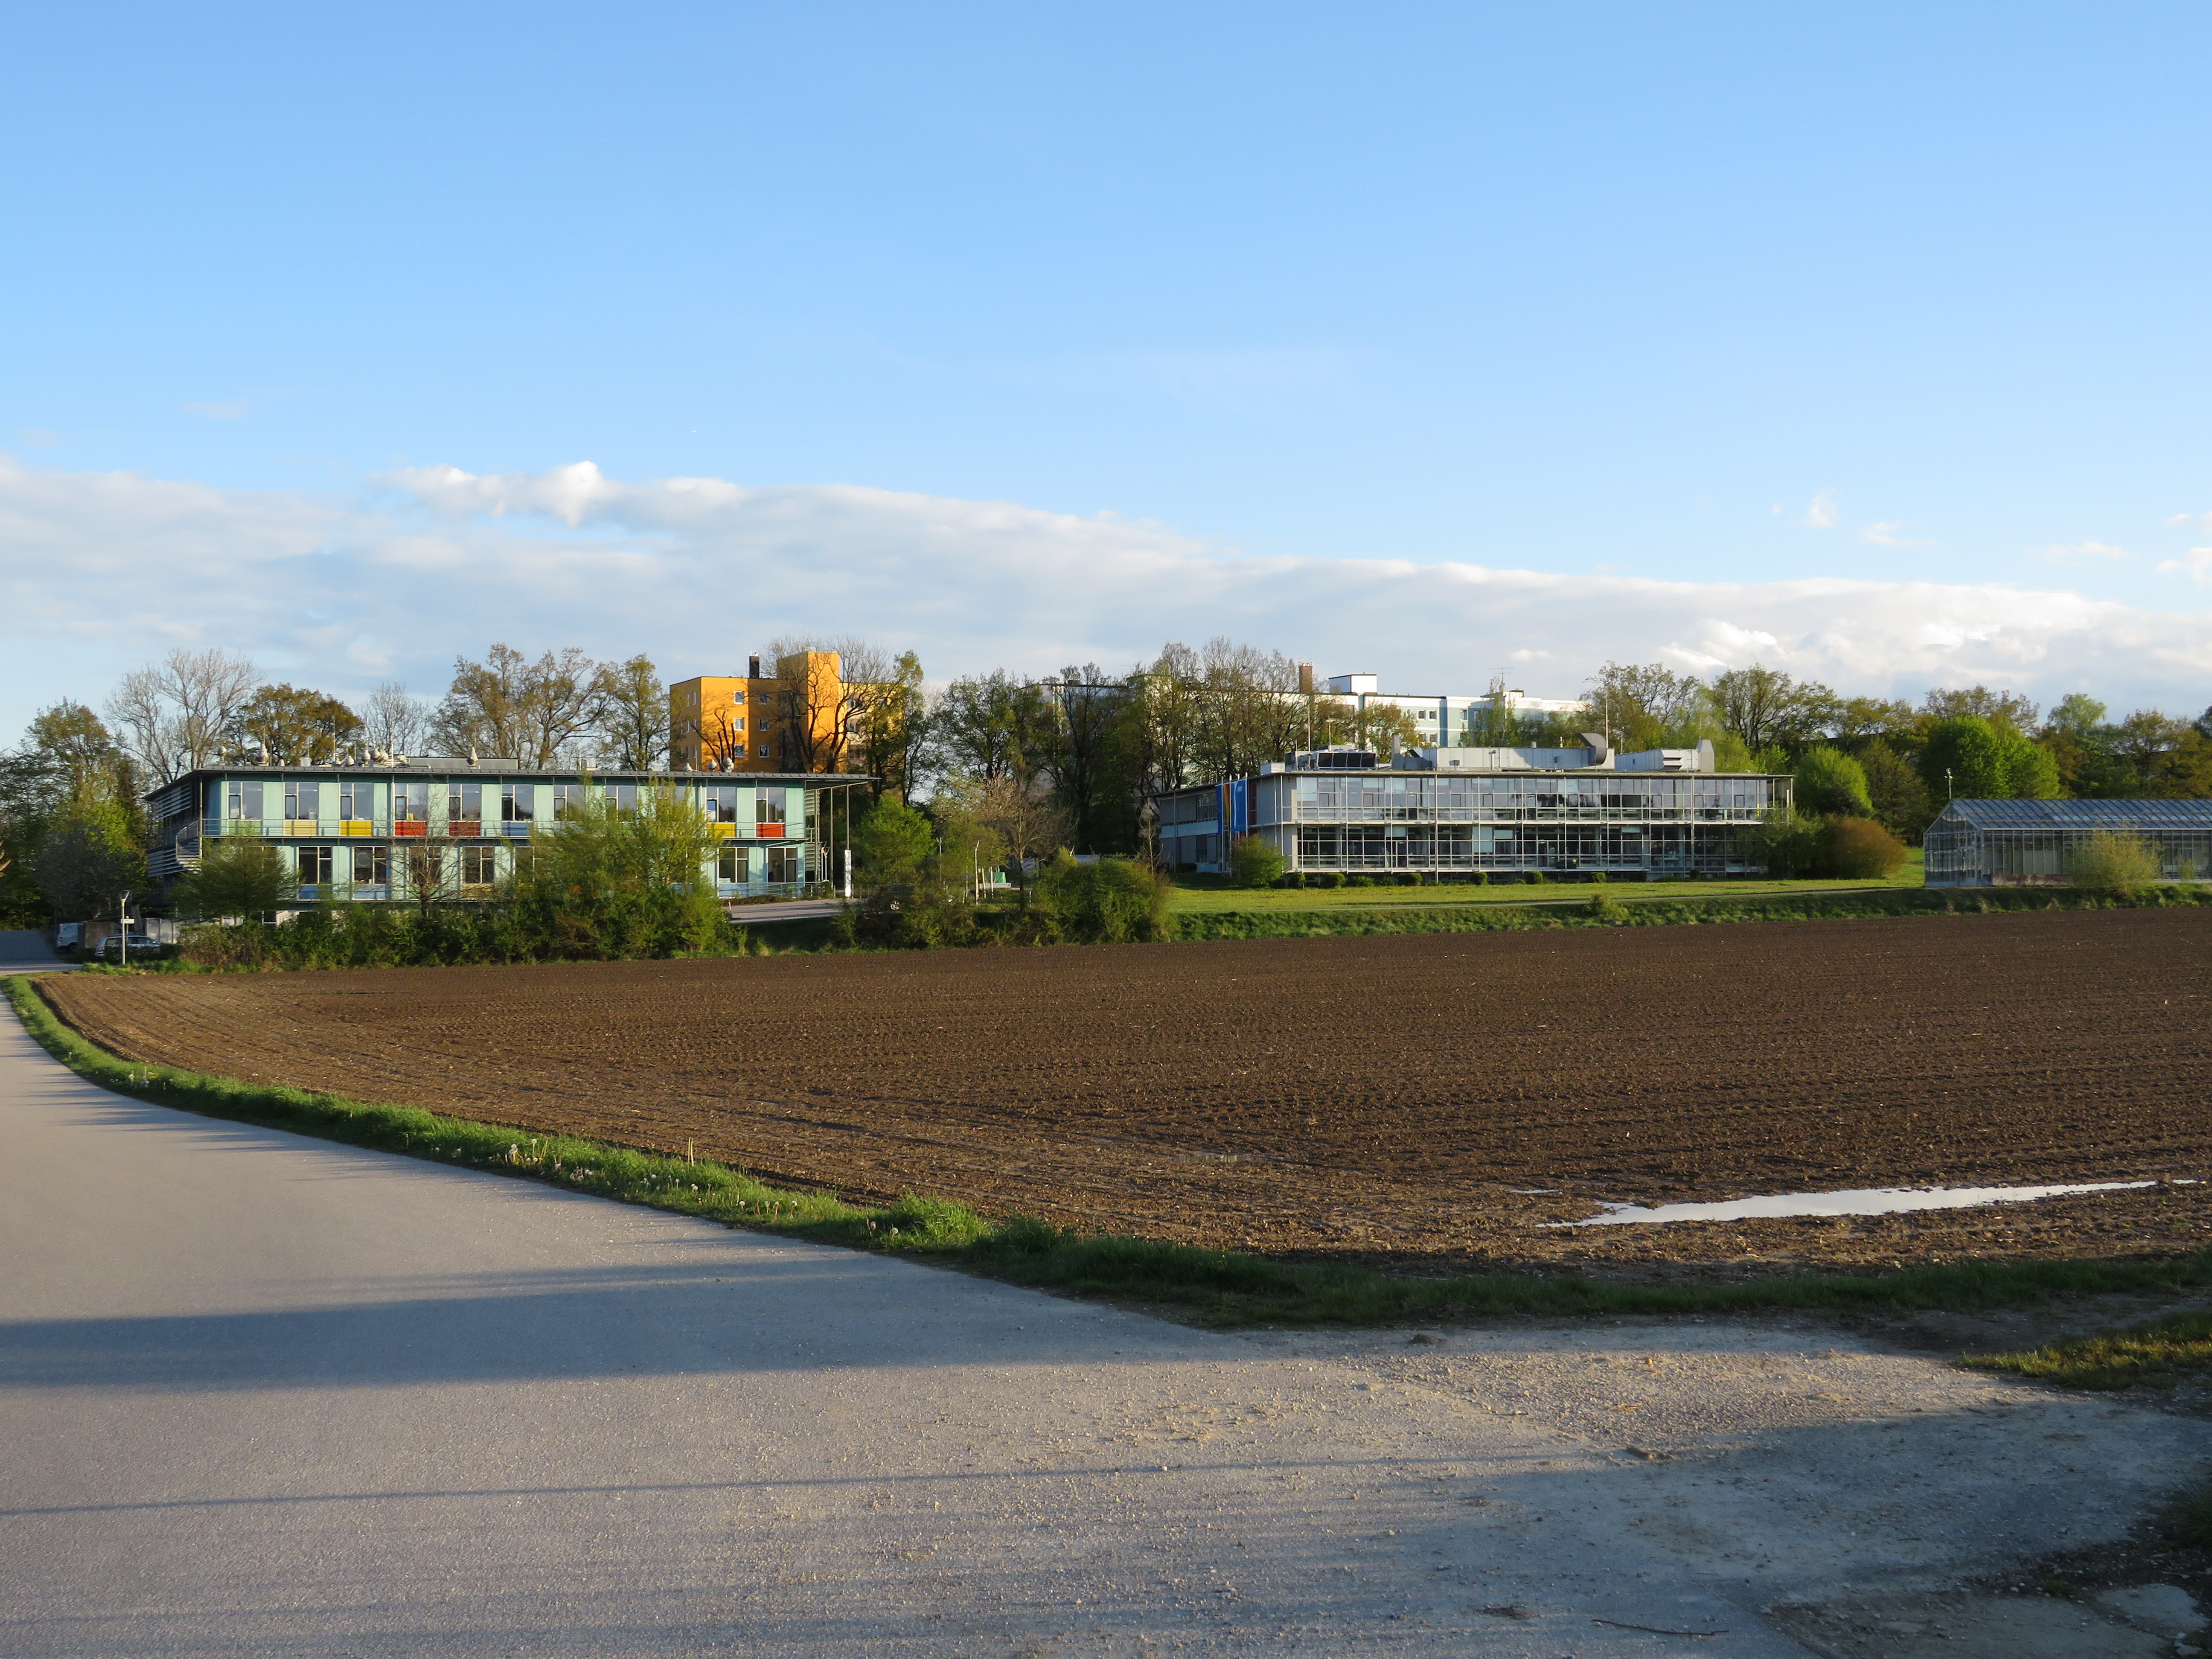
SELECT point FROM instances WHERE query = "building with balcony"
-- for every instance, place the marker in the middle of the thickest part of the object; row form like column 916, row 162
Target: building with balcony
column 456, row 825
column 1658, row 814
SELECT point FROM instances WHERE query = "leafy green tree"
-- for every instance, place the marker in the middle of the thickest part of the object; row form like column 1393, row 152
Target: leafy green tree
column 68, row 781
column 890, row 844
column 86, row 857
column 293, row 727
column 1256, row 862
column 605, row 884
column 1970, row 758
column 1829, row 783
column 890, row 738
column 1765, row 706
column 1896, row 797
column 1788, row 844
column 237, row 876
column 633, row 714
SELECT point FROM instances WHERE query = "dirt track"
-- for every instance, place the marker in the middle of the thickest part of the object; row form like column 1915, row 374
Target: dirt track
column 1348, row 1095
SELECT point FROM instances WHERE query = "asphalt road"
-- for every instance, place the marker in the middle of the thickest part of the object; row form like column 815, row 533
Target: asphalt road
column 27, row 947
column 262, row 1394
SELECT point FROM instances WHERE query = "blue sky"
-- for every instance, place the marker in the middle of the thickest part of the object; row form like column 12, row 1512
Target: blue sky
column 1736, row 302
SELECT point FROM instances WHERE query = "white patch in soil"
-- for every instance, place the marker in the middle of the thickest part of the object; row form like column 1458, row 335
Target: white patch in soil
column 1864, row 1200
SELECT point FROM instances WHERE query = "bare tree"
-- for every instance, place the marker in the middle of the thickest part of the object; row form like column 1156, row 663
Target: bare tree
column 508, row 705
column 393, row 721
column 174, row 718
column 823, row 712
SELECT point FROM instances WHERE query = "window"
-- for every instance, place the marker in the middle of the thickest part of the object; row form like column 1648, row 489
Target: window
column 302, row 800
column 568, row 800
column 768, row 812
column 624, row 798
column 314, row 866
column 245, row 801
column 738, row 724
column 517, row 802
column 786, row 863
column 356, row 799
column 463, row 805
column 733, row 864
column 371, row 867
column 720, row 803
column 410, row 801
column 761, row 752
column 479, row 865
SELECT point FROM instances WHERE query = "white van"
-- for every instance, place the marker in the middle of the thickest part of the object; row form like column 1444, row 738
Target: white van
column 69, row 935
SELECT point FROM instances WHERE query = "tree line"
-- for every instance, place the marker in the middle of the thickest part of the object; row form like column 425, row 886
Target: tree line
column 1011, row 768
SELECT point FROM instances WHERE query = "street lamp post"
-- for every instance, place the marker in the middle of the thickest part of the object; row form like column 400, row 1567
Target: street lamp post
column 123, row 948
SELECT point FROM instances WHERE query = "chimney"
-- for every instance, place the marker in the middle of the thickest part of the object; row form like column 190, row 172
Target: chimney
column 1305, row 679
column 753, row 671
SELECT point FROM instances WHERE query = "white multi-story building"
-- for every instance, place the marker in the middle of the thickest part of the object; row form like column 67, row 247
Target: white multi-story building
column 1439, row 719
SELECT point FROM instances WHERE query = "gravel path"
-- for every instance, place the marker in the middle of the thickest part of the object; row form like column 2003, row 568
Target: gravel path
column 265, row 1395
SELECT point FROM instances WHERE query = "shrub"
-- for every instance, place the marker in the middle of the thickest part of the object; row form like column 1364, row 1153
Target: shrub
column 2107, row 863
column 1787, row 842
column 1296, row 878
column 1254, row 862
column 1858, row 849
column 1327, row 878
column 1111, row 901
column 1359, row 881
column 1481, row 879
column 1535, row 878
column 237, row 876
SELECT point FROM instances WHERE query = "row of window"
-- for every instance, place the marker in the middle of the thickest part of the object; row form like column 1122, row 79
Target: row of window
column 371, row 866
column 245, row 800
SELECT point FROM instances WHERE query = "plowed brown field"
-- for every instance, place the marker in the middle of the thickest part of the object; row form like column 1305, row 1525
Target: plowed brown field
column 1351, row 1095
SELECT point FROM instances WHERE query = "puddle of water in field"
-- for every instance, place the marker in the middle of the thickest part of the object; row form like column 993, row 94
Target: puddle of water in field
column 1865, row 1200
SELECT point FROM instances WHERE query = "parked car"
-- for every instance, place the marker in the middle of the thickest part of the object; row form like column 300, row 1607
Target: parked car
column 69, row 936
column 109, row 947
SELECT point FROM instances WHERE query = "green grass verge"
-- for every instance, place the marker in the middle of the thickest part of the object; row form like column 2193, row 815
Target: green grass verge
column 1196, row 895
column 1219, row 1287
column 1618, row 906
column 2156, row 1353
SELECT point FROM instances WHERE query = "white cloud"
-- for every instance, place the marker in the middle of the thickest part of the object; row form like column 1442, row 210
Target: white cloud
column 1885, row 535
column 2198, row 566
column 1824, row 513
column 101, row 571
column 2087, row 553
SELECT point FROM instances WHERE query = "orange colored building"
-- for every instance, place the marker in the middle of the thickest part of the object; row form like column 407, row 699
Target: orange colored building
column 797, row 720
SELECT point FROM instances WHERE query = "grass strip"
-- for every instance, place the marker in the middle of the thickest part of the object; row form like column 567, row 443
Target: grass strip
column 1218, row 1288
column 2156, row 1353
column 1611, row 907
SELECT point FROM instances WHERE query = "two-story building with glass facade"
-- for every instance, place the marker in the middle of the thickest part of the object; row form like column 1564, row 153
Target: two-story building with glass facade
column 1654, row 815
column 380, row 832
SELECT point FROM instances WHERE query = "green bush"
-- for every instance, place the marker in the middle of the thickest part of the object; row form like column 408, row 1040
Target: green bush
column 237, row 876
column 1110, row 901
column 1256, row 862
column 2107, row 863
column 1858, row 849
column 1327, row 878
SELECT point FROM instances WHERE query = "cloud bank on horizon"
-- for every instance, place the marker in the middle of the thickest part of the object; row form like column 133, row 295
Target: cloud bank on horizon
column 101, row 571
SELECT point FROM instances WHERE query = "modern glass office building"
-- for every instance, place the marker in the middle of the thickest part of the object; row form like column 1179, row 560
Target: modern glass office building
column 380, row 832
column 2031, row 843
column 1656, row 814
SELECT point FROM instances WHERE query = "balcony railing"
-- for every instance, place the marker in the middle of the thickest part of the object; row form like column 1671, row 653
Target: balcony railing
column 354, row 829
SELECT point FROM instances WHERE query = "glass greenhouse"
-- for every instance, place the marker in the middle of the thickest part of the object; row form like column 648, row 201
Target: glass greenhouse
column 2014, row 843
